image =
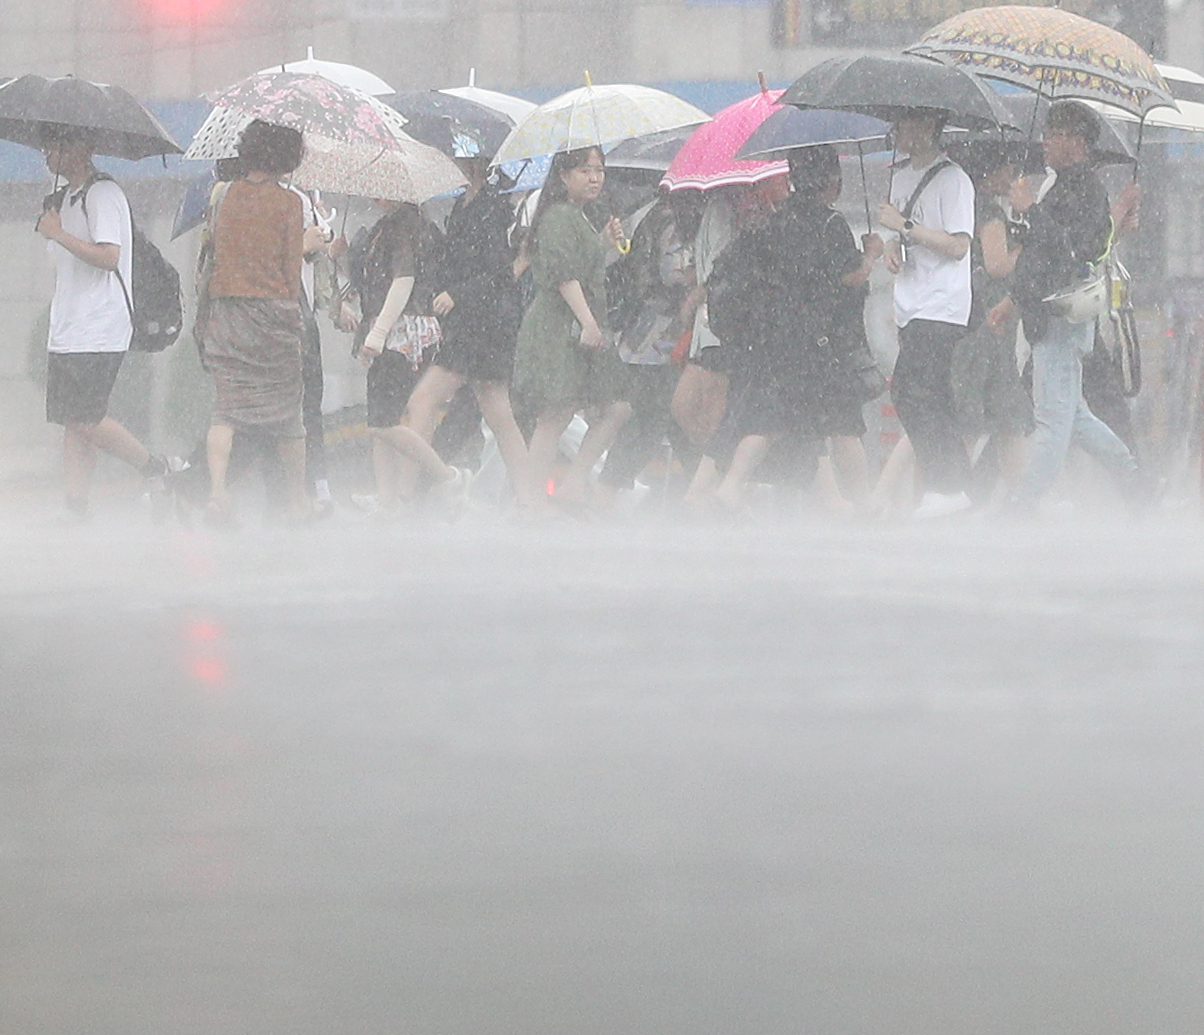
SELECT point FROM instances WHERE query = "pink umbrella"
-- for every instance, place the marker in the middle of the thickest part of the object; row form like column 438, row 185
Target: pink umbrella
column 708, row 158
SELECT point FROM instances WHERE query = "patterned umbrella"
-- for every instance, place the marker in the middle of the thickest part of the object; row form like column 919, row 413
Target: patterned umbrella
column 596, row 116
column 313, row 104
column 708, row 158
column 1052, row 51
column 410, row 172
column 400, row 169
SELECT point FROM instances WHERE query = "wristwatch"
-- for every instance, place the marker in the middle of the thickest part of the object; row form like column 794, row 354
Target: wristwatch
column 908, row 226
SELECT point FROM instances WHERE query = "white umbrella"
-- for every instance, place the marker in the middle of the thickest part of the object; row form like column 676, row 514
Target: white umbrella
column 514, row 108
column 597, row 116
column 1187, row 87
column 336, row 72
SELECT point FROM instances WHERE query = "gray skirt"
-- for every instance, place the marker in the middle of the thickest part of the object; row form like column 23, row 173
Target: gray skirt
column 253, row 349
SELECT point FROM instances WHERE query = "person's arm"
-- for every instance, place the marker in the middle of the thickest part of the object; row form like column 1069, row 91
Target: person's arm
column 951, row 246
column 872, row 250
column 102, row 256
column 997, row 259
column 395, row 303
column 294, row 240
column 574, row 297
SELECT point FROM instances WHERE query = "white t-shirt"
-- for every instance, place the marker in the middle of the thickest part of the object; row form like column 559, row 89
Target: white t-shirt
column 89, row 312
column 930, row 286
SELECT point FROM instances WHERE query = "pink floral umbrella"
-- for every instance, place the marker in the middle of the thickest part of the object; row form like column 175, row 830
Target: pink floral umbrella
column 708, row 158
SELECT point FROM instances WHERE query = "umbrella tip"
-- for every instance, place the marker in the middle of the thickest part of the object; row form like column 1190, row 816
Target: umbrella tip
column 761, row 82
column 472, row 77
column 588, row 79
column 309, row 53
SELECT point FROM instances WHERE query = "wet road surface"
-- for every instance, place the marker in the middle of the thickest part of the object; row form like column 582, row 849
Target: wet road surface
column 624, row 781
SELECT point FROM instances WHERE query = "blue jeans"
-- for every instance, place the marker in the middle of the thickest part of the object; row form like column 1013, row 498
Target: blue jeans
column 1063, row 416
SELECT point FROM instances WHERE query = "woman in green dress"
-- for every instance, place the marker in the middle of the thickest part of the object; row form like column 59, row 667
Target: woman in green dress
column 566, row 360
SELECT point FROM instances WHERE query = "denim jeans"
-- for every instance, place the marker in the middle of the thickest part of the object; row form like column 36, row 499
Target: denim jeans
column 1062, row 414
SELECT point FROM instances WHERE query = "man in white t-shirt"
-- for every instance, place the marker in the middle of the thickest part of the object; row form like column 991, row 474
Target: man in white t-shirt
column 931, row 210
column 88, row 225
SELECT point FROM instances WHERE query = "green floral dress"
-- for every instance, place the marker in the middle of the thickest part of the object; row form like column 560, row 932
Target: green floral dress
column 552, row 370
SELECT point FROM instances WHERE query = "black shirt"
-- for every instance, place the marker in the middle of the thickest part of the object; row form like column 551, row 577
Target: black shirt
column 1069, row 227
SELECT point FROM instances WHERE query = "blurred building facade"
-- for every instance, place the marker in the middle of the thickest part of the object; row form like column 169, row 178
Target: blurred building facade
column 174, row 49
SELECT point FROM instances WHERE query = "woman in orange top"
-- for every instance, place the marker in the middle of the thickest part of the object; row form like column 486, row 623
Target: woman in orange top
column 253, row 338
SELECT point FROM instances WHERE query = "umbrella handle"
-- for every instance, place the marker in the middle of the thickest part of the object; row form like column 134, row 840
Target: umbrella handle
column 865, row 191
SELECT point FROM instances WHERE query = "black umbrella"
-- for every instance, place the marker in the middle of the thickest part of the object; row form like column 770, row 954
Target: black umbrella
column 120, row 126
column 889, row 87
column 1028, row 111
column 453, row 124
column 653, row 153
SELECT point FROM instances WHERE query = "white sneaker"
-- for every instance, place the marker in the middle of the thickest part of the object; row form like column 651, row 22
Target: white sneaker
column 941, row 504
column 370, row 504
column 451, row 496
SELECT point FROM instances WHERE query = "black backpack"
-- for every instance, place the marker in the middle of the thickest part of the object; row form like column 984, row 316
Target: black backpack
column 739, row 296
column 155, row 306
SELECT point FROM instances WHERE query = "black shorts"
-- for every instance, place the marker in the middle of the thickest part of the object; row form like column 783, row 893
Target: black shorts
column 78, row 386
column 391, row 380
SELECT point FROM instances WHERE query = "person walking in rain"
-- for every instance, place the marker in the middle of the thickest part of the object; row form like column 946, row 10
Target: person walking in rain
column 88, row 224
column 931, row 212
column 1069, row 224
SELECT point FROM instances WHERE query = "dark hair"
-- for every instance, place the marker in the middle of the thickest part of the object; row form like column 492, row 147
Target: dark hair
column 980, row 158
column 554, row 189
column 275, row 150
column 939, row 118
column 813, row 168
column 1074, row 117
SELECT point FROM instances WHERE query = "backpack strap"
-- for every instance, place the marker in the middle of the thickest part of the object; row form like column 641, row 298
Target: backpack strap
column 926, row 179
column 82, row 194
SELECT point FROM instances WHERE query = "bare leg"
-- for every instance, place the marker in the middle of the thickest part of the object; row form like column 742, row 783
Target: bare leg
column 699, row 402
column 384, row 469
column 827, row 488
column 598, row 439
column 542, row 453
column 218, row 445
column 407, row 443
column 115, row 440
column 704, row 483
column 292, row 458
column 493, row 397
column 1013, row 459
column 891, row 491
column 851, row 468
column 79, row 461
column 429, row 398
column 749, row 454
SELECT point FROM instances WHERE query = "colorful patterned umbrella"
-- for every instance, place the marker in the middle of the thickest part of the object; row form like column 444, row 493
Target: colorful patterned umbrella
column 313, row 104
column 708, row 158
column 596, row 116
column 1054, row 52
column 398, row 169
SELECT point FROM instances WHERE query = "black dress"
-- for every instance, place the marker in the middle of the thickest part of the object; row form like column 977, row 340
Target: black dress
column 796, row 381
column 480, row 332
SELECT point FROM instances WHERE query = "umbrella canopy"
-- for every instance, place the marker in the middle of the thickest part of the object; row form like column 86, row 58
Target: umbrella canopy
column 887, row 87
column 653, row 153
column 790, row 127
column 312, row 104
column 1187, row 87
column 120, row 126
column 1051, row 51
column 337, row 72
column 514, row 108
column 396, row 167
column 410, row 171
column 459, row 127
column 1029, row 110
column 597, row 116
column 708, row 159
